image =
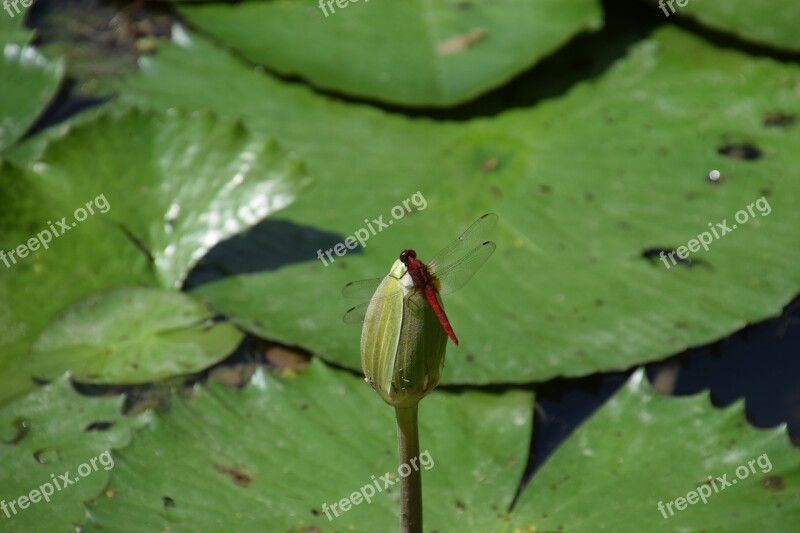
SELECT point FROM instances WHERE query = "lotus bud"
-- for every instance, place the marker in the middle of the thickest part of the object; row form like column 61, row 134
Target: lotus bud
column 402, row 342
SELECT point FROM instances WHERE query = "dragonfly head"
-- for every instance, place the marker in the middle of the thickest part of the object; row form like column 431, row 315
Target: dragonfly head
column 405, row 255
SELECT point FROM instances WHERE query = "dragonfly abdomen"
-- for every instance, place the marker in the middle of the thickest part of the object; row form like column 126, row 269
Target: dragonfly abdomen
column 430, row 295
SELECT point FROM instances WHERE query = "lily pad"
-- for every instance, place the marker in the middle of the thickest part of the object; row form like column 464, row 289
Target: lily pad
column 52, row 432
column 29, row 82
column 298, row 446
column 642, row 449
column 163, row 189
column 12, row 26
column 610, row 474
column 772, row 23
column 132, row 335
column 412, row 53
column 526, row 315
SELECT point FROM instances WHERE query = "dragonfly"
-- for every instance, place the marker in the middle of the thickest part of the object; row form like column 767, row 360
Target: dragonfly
column 448, row 271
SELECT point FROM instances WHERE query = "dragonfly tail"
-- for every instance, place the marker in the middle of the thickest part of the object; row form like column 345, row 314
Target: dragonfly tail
column 430, row 294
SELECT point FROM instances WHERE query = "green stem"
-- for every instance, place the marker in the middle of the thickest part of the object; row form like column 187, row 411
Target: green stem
column 410, row 486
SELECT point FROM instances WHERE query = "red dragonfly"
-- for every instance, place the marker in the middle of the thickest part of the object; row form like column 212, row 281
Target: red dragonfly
column 447, row 272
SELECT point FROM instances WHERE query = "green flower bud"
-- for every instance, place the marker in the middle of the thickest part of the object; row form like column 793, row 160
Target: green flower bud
column 402, row 342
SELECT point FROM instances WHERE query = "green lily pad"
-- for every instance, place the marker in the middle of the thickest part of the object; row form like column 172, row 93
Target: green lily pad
column 12, row 26
column 298, row 446
column 647, row 133
column 206, row 181
column 772, row 23
column 642, row 449
column 52, row 432
column 132, row 335
column 28, row 79
column 638, row 450
column 164, row 188
column 411, row 53
column 29, row 82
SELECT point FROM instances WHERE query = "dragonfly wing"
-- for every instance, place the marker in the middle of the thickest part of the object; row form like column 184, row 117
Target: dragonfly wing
column 474, row 235
column 456, row 275
column 361, row 290
column 355, row 315
column 364, row 290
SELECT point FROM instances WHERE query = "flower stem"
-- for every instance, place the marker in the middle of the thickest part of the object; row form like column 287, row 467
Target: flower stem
column 411, row 485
